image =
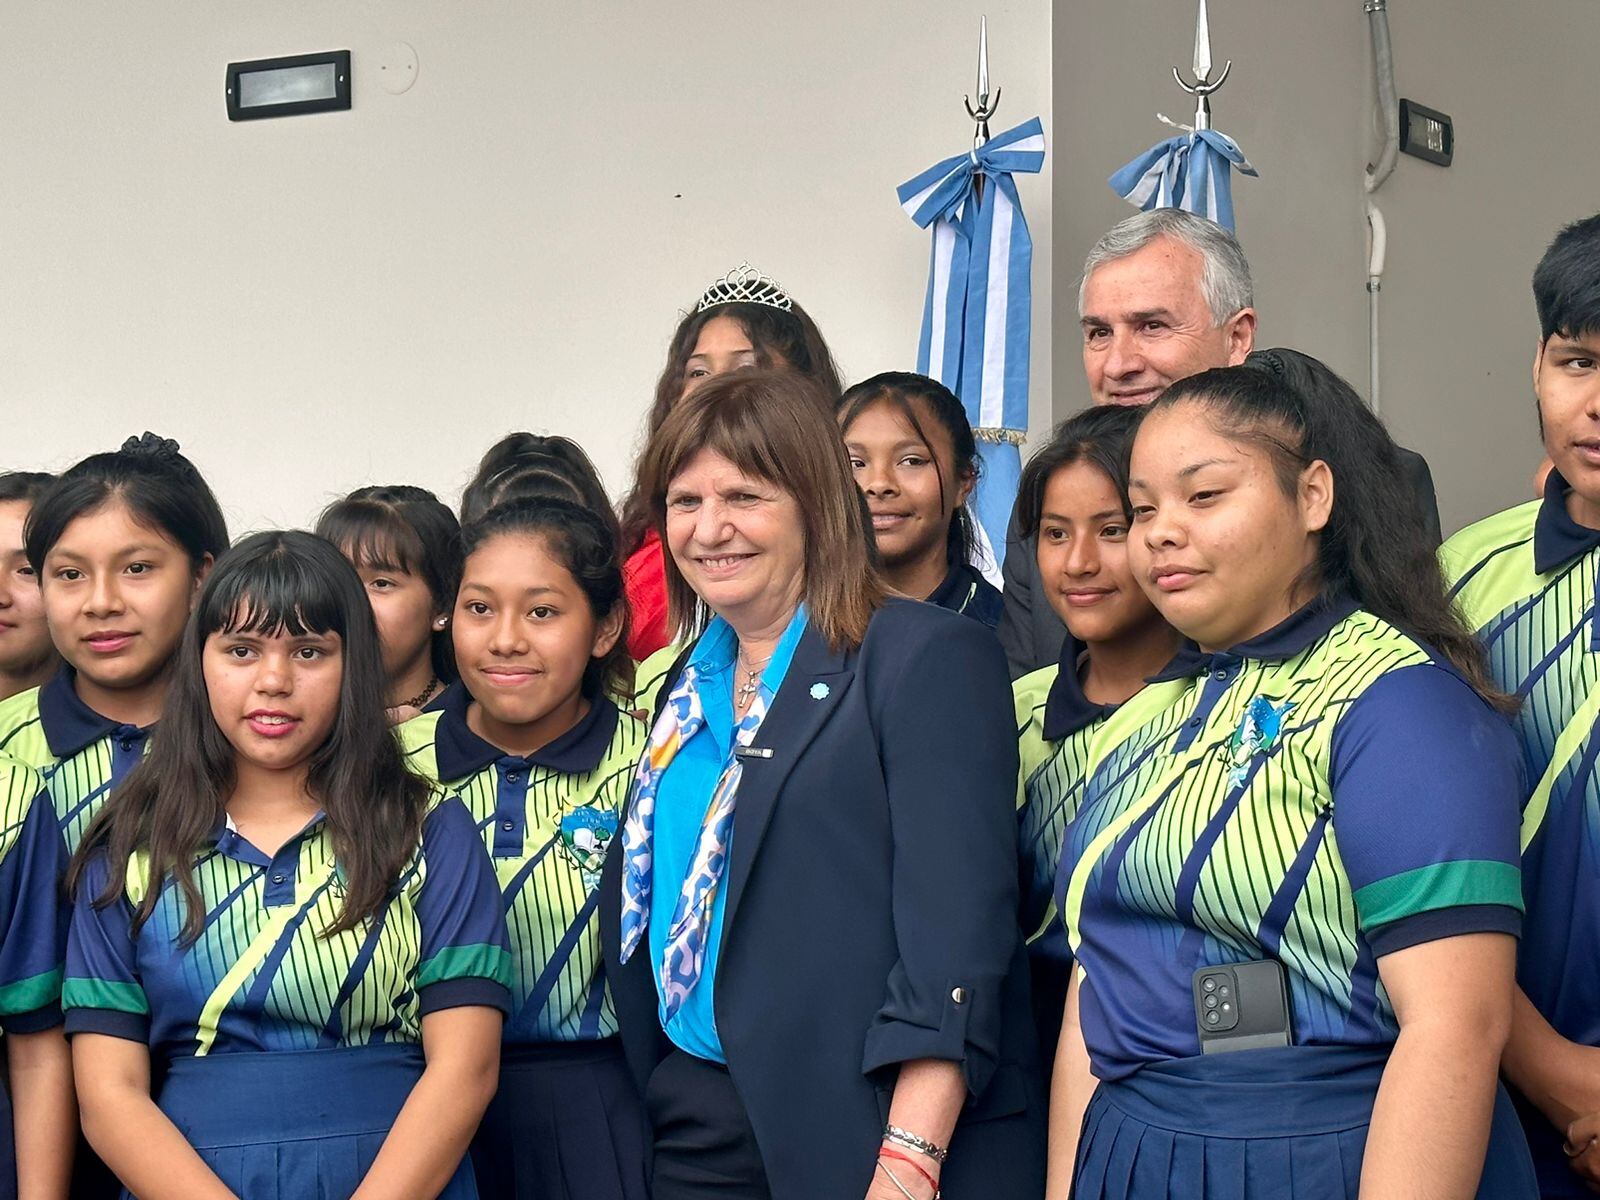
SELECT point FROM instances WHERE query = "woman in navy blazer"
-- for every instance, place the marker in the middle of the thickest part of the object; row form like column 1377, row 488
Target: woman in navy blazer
column 810, row 915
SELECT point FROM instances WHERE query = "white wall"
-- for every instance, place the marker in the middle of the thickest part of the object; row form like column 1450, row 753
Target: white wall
column 1458, row 321
column 314, row 303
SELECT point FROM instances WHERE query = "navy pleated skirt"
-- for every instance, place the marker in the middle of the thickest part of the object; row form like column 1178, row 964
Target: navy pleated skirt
column 295, row 1125
column 566, row 1124
column 1257, row 1125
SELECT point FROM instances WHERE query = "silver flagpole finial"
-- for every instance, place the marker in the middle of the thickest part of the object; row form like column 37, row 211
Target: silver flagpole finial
column 1203, row 85
column 1202, row 45
column 985, row 108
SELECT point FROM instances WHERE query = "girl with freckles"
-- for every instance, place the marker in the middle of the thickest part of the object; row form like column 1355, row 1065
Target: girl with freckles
column 1314, row 807
column 532, row 742
column 296, row 936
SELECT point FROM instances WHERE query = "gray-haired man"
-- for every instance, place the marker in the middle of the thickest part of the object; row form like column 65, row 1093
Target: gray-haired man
column 1165, row 295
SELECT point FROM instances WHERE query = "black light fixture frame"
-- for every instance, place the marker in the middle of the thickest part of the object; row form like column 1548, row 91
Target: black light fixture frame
column 338, row 59
column 1412, row 113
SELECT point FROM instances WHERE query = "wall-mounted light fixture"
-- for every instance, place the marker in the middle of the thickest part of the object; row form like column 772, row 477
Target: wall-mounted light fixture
column 287, row 87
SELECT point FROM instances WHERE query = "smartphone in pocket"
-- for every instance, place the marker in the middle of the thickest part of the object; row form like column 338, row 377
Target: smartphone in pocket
column 1242, row 1006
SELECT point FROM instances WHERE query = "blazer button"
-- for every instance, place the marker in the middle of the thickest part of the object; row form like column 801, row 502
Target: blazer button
column 959, row 995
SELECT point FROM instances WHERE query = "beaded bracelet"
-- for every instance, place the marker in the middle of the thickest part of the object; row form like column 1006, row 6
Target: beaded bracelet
column 901, row 1137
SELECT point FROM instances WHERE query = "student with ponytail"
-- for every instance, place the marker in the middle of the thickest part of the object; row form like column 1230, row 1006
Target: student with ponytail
column 121, row 544
column 274, row 920
column 532, row 742
column 1305, row 829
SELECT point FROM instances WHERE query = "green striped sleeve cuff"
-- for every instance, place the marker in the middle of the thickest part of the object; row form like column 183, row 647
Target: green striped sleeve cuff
column 467, row 962
column 104, row 994
column 29, row 995
column 1458, row 884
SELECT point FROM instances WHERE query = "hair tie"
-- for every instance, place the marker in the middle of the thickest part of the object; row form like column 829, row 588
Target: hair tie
column 152, row 445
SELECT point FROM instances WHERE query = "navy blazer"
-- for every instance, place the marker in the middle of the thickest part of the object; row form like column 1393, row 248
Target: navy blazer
column 871, row 914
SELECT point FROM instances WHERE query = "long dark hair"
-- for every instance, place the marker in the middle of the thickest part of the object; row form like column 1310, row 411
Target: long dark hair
column 780, row 339
column 399, row 527
column 1101, row 436
column 536, row 466
column 586, row 545
column 1375, row 548
column 908, row 392
column 169, row 804
column 158, row 484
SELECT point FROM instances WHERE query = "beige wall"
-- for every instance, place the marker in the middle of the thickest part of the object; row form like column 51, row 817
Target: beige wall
column 1458, row 321
column 314, row 303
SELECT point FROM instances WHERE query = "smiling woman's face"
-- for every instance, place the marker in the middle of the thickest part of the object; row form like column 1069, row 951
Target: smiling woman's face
column 738, row 541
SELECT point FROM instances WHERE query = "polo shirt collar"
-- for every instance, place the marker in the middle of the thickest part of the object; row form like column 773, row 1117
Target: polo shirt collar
column 1557, row 538
column 1283, row 641
column 69, row 724
column 1066, row 708
column 954, row 589
column 459, row 752
column 225, row 836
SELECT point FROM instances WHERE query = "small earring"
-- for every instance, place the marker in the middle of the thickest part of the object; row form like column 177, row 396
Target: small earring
column 440, row 622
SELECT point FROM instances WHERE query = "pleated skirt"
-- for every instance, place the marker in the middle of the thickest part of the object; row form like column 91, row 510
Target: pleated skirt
column 566, row 1124
column 1257, row 1125
column 295, row 1125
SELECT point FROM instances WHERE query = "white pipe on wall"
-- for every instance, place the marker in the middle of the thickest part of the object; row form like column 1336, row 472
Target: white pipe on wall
column 1377, row 232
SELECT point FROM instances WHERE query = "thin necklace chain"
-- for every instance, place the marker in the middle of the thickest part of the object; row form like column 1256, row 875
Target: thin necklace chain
column 752, row 682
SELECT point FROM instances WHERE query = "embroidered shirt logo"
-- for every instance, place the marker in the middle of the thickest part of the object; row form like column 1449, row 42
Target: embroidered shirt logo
column 1257, row 733
column 585, row 834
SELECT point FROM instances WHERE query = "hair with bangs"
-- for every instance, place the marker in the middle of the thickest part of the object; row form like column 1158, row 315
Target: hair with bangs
column 777, row 426
column 1101, row 436
column 398, row 527
column 172, row 802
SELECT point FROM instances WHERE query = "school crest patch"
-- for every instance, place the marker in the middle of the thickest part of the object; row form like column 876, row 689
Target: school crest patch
column 585, row 834
column 1257, row 733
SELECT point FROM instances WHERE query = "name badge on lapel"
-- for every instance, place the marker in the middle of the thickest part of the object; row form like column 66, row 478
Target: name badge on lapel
column 752, row 752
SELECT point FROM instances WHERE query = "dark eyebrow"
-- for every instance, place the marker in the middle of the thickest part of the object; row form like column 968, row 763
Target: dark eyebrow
column 1150, row 314
column 1196, row 468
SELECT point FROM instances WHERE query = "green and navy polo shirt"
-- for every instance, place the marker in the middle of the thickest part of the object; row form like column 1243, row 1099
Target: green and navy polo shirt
column 546, row 819
column 1322, row 795
column 81, row 754
column 262, row 976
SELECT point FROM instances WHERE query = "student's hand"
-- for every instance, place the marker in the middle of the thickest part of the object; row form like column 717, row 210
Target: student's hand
column 914, row 1183
column 1583, row 1149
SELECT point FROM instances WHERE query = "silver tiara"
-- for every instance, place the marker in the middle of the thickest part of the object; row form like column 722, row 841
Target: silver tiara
column 745, row 285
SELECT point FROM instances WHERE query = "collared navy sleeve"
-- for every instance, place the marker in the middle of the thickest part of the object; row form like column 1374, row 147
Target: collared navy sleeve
column 33, row 928
column 1427, row 789
column 949, row 758
column 466, row 954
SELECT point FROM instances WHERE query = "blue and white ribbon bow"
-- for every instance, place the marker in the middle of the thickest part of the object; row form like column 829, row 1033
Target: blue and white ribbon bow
column 1192, row 171
column 684, row 957
column 976, row 323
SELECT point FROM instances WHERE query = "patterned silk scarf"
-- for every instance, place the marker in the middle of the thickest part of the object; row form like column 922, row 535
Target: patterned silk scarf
column 685, row 952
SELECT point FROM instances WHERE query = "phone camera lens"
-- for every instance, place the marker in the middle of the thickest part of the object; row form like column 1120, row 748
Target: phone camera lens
column 1210, row 983
column 1223, row 991
column 1212, row 1018
column 1211, row 1001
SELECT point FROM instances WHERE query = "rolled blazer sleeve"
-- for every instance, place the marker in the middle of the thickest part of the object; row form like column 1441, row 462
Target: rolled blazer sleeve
column 949, row 757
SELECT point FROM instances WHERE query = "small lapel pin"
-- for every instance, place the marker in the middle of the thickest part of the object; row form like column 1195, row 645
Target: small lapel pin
column 820, row 691
column 752, row 752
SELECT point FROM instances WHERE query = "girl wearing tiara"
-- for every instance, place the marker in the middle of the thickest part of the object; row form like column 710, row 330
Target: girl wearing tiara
column 534, row 745
column 742, row 320
column 403, row 543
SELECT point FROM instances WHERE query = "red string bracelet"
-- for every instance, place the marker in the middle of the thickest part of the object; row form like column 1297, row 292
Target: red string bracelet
column 888, row 1152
